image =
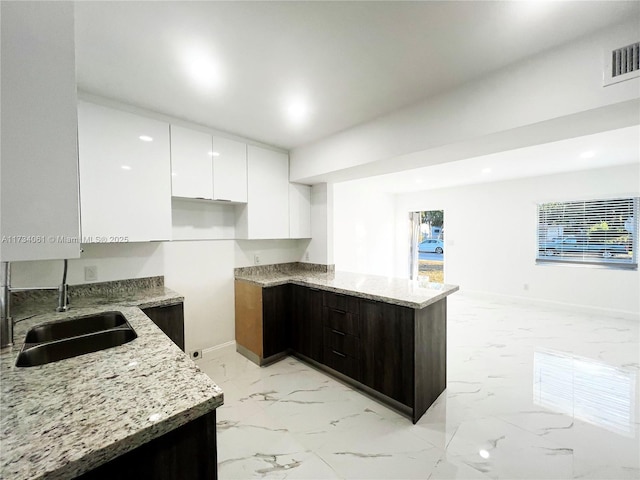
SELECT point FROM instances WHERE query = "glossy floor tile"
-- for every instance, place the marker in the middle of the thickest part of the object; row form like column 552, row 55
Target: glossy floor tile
column 532, row 392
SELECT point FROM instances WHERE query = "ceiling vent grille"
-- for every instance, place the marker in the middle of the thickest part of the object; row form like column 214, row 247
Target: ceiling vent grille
column 622, row 64
column 625, row 60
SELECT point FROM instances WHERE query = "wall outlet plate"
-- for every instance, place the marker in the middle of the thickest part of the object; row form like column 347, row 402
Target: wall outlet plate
column 306, row 256
column 90, row 273
column 196, row 355
column 256, row 259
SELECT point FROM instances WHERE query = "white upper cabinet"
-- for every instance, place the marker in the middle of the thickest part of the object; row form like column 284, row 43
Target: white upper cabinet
column 266, row 214
column 299, row 211
column 207, row 167
column 191, row 163
column 125, row 179
column 39, row 215
column 229, row 170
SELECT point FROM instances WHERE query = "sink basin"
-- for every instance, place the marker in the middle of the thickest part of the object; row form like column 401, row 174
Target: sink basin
column 54, row 341
column 47, row 332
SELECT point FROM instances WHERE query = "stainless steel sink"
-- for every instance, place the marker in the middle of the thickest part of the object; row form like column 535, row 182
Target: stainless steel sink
column 54, row 341
column 47, row 332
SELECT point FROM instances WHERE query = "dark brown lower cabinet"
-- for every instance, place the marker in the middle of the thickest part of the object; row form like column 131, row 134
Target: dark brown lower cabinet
column 170, row 319
column 306, row 322
column 188, row 452
column 388, row 355
column 393, row 352
column 275, row 317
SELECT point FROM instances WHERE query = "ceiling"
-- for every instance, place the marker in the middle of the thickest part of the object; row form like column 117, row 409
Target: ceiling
column 290, row 73
column 606, row 149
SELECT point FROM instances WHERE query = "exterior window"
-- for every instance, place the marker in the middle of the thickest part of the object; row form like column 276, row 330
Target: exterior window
column 598, row 232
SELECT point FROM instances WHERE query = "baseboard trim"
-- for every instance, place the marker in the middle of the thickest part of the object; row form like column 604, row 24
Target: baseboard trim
column 212, row 351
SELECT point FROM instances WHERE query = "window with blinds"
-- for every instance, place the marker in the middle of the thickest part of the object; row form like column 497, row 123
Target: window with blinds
column 598, row 232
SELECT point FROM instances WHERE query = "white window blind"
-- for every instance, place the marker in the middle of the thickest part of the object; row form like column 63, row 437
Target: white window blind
column 602, row 232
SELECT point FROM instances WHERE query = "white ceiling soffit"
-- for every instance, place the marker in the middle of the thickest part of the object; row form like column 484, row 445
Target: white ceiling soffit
column 289, row 73
column 615, row 147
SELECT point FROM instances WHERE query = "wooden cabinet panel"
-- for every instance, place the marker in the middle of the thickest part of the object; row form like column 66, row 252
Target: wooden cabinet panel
column 170, row 320
column 345, row 303
column 306, row 322
column 189, row 451
column 388, row 348
column 344, row 364
column 276, row 325
column 341, row 342
column 342, row 321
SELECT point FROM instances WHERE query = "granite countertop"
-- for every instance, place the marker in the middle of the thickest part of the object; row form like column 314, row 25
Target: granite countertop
column 397, row 291
column 65, row 418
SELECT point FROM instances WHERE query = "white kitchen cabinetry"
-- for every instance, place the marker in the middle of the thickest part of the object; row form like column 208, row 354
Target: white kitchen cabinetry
column 266, row 214
column 39, row 215
column 229, row 170
column 125, row 179
column 191, row 163
column 207, row 167
column 299, row 211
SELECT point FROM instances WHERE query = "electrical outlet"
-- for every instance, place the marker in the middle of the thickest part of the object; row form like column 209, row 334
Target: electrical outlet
column 256, row 259
column 526, row 287
column 90, row 273
column 306, row 256
column 196, row 355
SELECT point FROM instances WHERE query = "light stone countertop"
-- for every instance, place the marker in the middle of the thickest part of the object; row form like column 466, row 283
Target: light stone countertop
column 67, row 417
column 397, row 291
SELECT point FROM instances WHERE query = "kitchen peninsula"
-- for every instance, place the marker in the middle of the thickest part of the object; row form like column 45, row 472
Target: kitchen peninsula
column 385, row 336
column 139, row 410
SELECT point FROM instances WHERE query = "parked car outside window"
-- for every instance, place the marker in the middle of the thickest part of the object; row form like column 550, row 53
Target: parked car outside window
column 431, row 246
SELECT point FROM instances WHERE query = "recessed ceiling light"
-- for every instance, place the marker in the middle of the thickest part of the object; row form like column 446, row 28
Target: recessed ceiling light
column 125, row 167
column 486, row 170
column 297, row 110
column 484, row 454
column 214, row 154
column 588, row 154
column 146, row 138
column 202, row 68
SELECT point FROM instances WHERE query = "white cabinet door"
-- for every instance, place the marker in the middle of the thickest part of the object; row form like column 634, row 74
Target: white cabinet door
column 266, row 214
column 39, row 216
column 229, row 170
column 125, row 186
column 191, row 163
column 299, row 211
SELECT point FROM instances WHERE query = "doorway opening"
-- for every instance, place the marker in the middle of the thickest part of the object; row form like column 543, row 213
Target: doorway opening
column 427, row 246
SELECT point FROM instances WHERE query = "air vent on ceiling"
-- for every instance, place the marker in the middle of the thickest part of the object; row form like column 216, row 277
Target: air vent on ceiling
column 623, row 63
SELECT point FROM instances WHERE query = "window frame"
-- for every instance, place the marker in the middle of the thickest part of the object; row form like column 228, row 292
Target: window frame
column 580, row 233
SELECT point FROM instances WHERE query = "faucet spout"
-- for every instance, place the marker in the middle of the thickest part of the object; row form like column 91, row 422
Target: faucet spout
column 6, row 322
column 63, row 291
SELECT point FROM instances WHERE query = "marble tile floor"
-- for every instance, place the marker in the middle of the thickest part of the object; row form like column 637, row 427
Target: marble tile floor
column 533, row 392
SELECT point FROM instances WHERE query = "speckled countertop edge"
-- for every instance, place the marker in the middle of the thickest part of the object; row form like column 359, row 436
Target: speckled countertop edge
column 391, row 290
column 65, row 418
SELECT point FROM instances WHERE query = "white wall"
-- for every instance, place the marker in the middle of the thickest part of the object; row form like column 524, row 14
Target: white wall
column 202, row 271
column 320, row 248
column 541, row 99
column 364, row 230
column 490, row 239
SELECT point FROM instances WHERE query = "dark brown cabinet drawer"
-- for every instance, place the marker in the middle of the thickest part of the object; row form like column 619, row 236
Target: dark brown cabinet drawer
column 344, row 322
column 344, row 303
column 344, row 364
column 341, row 342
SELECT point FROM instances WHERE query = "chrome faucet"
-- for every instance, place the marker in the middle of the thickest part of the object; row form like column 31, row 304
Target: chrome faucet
column 6, row 321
